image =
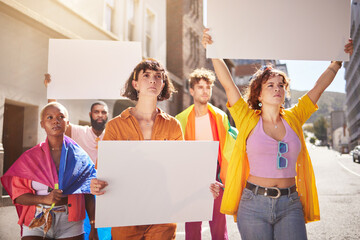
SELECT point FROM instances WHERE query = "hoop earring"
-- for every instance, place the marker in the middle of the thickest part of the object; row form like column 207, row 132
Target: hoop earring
column 260, row 104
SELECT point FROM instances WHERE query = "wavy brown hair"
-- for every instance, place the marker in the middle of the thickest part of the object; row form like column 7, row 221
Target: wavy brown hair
column 258, row 79
column 148, row 64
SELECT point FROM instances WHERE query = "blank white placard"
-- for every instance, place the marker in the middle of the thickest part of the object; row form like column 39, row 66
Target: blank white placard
column 153, row 182
column 279, row 29
column 90, row 69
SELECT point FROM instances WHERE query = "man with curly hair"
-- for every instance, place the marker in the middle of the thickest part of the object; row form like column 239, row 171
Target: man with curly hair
column 203, row 121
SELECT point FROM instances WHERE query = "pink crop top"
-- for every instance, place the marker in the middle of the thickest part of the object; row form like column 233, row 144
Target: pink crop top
column 262, row 152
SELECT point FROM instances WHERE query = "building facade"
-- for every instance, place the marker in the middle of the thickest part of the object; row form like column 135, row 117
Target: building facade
column 352, row 77
column 338, row 131
column 185, row 52
column 340, row 139
column 27, row 26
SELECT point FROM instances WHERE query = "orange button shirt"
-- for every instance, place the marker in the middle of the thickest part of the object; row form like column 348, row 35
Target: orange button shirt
column 126, row 127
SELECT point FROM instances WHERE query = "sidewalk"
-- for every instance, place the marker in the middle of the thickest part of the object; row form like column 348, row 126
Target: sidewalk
column 9, row 229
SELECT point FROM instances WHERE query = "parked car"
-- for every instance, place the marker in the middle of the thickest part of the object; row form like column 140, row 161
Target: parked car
column 356, row 154
column 351, row 153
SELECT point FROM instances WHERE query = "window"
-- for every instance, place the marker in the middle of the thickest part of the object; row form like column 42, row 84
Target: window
column 109, row 14
column 131, row 14
column 149, row 32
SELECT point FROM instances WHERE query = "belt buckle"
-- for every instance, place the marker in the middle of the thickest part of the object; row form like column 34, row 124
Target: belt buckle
column 275, row 188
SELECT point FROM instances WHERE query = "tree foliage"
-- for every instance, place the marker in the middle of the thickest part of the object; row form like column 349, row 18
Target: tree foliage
column 309, row 128
column 320, row 126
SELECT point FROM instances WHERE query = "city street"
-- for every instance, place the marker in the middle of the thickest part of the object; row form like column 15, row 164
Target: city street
column 338, row 183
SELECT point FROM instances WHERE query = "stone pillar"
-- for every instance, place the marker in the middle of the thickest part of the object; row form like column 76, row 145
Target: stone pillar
column 4, row 201
column 1, row 171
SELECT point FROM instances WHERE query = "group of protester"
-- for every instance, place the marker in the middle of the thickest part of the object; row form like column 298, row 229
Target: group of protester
column 264, row 176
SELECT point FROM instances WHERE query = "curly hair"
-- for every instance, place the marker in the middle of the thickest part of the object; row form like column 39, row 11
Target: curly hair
column 258, row 79
column 201, row 74
column 148, row 64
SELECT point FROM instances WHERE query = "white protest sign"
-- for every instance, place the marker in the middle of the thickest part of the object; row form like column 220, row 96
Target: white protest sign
column 154, row 182
column 90, row 69
column 279, row 29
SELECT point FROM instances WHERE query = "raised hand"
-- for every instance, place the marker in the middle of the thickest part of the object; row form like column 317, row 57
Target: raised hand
column 47, row 79
column 206, row 39
column 349, row 47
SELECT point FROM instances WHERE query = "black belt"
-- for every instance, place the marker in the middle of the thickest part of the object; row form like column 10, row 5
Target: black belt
column 272, row 192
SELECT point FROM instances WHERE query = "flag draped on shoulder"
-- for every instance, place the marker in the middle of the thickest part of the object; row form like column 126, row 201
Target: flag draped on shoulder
column 76, row 169
column 75, row 172
column 221, row 129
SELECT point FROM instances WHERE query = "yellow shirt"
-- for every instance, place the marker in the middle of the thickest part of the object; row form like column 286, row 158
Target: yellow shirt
column 238, row 170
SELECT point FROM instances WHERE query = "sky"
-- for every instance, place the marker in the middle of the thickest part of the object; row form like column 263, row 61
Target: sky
column 303, row 75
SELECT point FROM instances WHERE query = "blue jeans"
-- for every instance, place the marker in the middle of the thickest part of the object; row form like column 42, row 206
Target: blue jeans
column 265, row 218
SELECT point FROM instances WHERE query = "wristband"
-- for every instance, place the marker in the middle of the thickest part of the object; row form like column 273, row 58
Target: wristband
column 339, row 63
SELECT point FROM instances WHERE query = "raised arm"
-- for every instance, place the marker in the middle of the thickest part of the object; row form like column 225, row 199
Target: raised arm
column 47, row 80
column 223, row 74
column 328, row 76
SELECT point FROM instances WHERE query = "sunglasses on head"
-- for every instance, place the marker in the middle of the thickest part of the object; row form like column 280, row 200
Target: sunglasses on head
column 282, row 162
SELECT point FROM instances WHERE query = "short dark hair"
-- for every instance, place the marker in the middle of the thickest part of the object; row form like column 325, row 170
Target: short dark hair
column 148, row 64
column 53, row 104
column 98, row 103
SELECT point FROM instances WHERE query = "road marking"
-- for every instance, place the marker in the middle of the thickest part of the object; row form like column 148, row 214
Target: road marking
column 348, row 169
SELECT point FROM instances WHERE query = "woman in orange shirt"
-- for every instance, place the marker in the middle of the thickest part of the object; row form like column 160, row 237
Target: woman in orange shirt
column 147, row 84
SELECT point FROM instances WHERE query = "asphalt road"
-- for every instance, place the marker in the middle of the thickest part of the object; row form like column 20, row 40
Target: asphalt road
column 338, row 184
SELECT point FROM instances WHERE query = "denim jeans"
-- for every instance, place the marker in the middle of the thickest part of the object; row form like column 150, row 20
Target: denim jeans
column 265, row 218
